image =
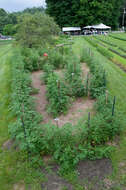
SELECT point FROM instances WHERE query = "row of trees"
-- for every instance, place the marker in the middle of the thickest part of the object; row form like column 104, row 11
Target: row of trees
column 85, row 12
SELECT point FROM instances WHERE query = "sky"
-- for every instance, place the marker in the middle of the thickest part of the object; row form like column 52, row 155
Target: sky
column 19, row 5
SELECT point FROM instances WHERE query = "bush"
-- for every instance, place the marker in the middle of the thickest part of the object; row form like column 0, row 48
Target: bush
column 25, row 129
column 32, row 59
column 48, row 69
column 57, row 95
column 97, row 84
column 104, row 103
column 73, row 77
column 56, row 59
column 98, row 77
column 36, row 30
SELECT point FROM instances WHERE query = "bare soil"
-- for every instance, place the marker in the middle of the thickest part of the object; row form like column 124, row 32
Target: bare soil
column 91, row 176
column 78, row 108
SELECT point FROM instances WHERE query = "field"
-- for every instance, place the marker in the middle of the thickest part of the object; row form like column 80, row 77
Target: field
column 62, row 103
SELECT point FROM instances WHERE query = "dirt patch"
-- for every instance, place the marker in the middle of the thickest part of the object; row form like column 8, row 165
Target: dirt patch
column 19, row 187
column 76, row 111
column 92, row 173
column 8, row 144
column 40, row 98
column 91, row 176
column 54, row 181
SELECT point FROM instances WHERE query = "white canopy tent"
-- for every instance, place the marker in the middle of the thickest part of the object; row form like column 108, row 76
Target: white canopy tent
column 87, row 27
column 101, row 26
column 98, row 26
column 71, row 29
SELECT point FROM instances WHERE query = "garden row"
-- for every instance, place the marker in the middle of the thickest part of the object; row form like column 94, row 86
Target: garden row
column 67, row 145
column 109, row 52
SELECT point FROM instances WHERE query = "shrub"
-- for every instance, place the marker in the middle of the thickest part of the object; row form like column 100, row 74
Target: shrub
column 48, row 69
column 73, row 77
column 57, row 95
column 98, row 77
column 56, row 59
column 97, row 84
column 25, row 129
column 104, row 103
column 36, row 30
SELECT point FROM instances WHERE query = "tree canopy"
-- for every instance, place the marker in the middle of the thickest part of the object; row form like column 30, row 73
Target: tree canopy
column 6, row 18
column 9, row 20
column 36, row 30
column 85, row 12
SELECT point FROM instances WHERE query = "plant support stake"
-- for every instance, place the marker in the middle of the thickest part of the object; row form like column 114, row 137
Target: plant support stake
column 89, row 117
column 113, row 107
column 87, row 84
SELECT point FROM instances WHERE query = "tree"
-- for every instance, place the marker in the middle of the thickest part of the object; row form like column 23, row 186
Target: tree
column 3, row 19
column 6, row 18
column 36, row 30
column 9, row 29
column 84, row 12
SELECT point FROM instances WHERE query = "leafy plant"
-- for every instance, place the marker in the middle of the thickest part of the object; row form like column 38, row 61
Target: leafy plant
column 73, row 78
column 57, row 95
column 47, row 70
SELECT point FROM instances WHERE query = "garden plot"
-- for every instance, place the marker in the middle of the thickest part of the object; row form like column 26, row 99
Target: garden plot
column 77, row 110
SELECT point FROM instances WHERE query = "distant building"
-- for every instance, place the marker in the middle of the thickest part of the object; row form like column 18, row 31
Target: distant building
column 71, row 30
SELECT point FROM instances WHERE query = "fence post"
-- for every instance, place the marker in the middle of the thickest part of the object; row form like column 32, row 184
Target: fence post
column 113, row 106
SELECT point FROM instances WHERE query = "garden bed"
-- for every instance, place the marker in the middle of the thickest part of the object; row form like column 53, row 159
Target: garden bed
column 78, row 109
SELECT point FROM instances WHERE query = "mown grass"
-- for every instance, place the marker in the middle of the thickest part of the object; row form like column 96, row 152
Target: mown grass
column 14, row 168
column 117, row 87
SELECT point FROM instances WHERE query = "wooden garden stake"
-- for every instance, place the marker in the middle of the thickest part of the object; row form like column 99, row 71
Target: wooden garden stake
column 113, row 107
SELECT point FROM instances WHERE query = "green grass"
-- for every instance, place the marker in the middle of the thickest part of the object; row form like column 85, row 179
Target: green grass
column 117, row 87
column 14, row 168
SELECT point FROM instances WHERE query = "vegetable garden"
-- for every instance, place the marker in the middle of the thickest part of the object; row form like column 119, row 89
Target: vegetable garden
column 84, row 140
column 65, row 81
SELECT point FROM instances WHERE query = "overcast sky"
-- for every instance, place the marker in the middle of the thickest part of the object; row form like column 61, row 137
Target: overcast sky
column 18, row 5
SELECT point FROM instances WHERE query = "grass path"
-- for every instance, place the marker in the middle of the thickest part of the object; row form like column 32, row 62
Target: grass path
column 117, row 87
